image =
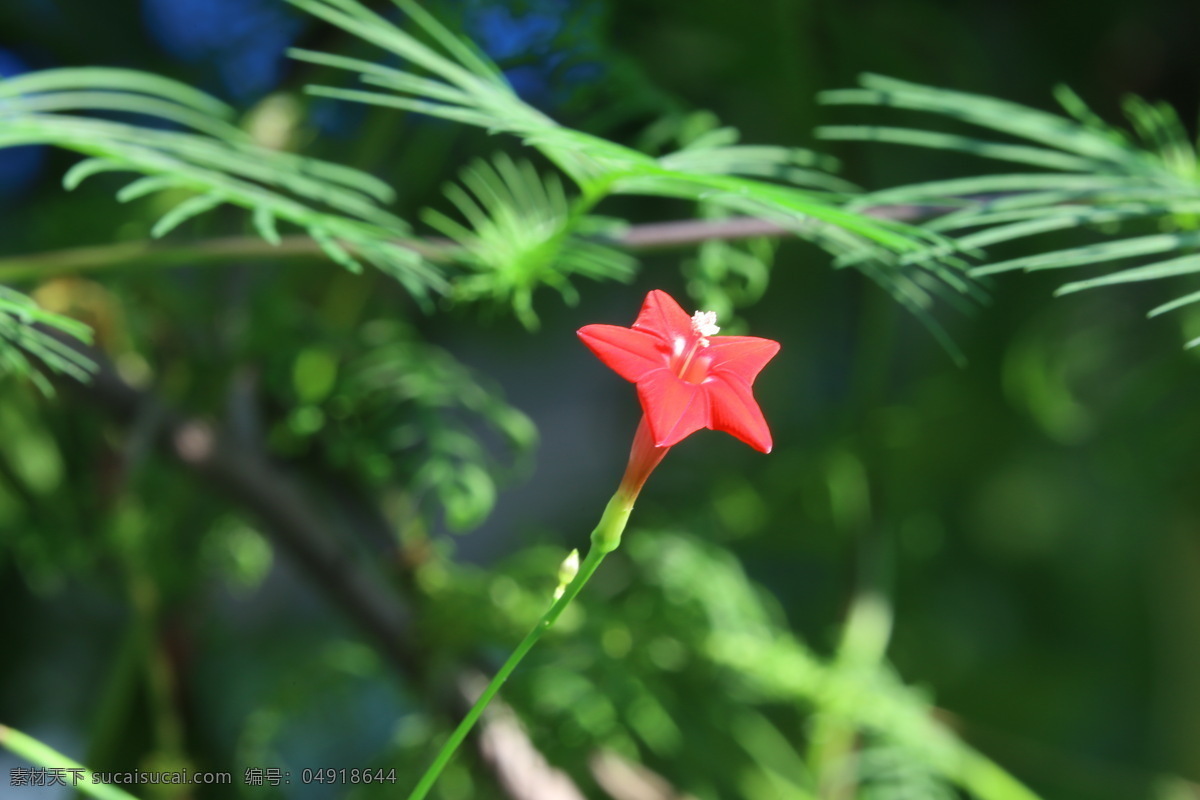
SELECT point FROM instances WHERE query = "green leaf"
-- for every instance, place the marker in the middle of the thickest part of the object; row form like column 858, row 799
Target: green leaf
column 86, row 169
column 1036, row 156
column 1185, row 265
column 192, row 207
column 264, row 223
column 335, row 251
column 1179, row 302
column 1095, row 253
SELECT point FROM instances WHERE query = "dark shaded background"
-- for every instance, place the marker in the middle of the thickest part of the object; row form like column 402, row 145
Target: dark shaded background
column 1033, row 517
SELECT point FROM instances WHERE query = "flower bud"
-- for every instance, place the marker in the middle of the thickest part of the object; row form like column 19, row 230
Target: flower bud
column 567, row 572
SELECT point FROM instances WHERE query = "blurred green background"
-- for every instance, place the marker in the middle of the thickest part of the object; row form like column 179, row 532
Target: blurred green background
column 1024, row 529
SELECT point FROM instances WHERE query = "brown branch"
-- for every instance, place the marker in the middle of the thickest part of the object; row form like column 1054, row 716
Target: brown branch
column 637, row 238
column 626, row 780
column 244, row 476
column 690, row 232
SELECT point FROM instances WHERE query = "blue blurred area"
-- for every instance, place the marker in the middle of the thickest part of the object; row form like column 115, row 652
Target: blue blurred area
column 504, row 34
column 548, row 49
column 240, row 42
column 19, row 166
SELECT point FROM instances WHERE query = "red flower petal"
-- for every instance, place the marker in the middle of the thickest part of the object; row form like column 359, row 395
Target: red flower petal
column 673, row 407
column 629, row 353
column 662, row 316
column 745, row 356
column 686, row 381
column 734, row 410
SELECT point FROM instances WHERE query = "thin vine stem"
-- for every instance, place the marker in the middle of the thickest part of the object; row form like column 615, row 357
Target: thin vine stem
column 605, row 538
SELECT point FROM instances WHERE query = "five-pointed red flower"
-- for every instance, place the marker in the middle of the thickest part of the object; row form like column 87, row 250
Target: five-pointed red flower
column 687, row 378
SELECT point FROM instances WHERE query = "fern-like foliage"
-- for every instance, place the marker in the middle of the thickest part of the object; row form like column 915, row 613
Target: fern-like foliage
column 214, row 164
column 204, row 159
column 1092, row 174
column 521, row 233
column 26, row 331
column 448, row 77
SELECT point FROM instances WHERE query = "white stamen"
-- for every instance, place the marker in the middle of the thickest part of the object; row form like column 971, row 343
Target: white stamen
column 705, row 323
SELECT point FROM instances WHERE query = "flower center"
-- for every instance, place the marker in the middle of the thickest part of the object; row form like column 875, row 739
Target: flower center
column 689, row 361
column 704, row 323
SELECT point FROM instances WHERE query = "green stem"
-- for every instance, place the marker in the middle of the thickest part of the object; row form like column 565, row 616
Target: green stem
column 605, row 539
column 76, row 775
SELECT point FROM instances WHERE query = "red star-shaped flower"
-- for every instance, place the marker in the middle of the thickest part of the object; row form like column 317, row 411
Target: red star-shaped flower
column 687, row 377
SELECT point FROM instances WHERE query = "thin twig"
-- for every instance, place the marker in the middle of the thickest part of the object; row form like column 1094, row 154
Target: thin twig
column 636, row 238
